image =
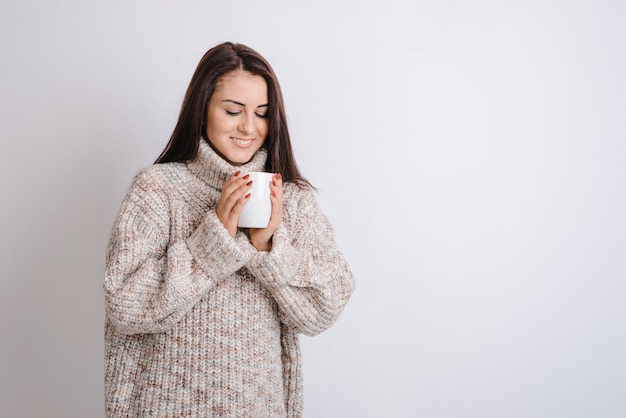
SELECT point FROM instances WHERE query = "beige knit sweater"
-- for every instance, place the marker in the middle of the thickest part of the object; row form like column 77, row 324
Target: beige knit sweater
column 199, row 324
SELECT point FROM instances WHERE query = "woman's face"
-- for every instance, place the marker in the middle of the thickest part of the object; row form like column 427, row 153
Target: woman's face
column 237, row 123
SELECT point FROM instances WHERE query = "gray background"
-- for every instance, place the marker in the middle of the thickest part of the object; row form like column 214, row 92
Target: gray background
column 470, row 155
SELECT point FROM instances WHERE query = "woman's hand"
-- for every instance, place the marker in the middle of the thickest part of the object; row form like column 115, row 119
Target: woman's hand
column 261, row 238
column 234, row 197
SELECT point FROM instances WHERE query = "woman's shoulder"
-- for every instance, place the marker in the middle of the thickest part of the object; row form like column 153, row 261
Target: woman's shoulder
column 297, row 199
column 160, row 170
column 157, row 181
column 293, row 192
column 160, row 175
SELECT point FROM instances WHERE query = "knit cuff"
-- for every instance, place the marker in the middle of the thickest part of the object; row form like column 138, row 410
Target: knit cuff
column 278, row 267
column 217, row 253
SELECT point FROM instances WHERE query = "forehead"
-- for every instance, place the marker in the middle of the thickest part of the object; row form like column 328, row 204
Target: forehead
column 242, row 85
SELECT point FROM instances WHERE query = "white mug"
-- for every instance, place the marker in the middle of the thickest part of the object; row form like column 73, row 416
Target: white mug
column 256, row 213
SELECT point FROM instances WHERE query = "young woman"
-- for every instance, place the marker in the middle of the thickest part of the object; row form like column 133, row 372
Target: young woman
column 202, row 318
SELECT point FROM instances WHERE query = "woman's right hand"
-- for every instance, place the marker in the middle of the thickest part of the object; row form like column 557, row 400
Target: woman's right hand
column 234, row 197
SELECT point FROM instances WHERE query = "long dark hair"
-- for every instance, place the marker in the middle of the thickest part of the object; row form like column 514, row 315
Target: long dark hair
column 215, row 64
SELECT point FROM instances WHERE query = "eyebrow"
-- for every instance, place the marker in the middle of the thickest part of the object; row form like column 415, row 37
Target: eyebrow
column 241, row 104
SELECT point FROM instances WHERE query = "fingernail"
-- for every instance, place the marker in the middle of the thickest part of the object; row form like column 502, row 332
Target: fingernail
column 249, row 183
column 237, row 173
column 246, row 176
column 279, row 176
column 273, row 194
column 247, row 196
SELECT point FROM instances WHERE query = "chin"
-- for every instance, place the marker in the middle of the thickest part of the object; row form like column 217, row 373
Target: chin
column 239, row 160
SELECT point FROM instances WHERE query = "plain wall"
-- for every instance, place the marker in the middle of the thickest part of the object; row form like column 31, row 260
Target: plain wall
column 470, row 154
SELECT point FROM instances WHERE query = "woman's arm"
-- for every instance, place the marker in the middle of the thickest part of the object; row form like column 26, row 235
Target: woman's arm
column 305, row 272
column 153, row 279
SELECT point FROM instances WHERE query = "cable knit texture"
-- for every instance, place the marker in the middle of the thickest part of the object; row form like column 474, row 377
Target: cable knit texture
column 200, row 324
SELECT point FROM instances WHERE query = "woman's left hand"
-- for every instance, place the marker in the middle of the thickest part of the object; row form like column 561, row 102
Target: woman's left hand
column 261, row 238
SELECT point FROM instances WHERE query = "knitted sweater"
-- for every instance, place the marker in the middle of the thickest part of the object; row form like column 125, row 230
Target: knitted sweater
column 200, row 324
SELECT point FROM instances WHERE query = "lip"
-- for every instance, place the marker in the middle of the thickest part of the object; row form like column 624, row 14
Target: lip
column 242, row 142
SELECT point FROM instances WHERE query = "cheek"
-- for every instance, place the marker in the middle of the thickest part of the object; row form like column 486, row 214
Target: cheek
column 219, row 124
column 264, row 127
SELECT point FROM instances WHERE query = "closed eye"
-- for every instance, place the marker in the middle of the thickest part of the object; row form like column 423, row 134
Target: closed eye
column 228, row 112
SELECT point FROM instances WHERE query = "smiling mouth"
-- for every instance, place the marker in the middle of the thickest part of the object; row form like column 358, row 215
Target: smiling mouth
column 242, row 142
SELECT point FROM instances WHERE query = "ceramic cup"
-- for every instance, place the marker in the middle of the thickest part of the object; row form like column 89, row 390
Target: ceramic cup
column 256, row 213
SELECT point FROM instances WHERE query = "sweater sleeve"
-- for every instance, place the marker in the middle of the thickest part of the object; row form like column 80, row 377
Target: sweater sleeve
column 305, row 272
column 152, row 280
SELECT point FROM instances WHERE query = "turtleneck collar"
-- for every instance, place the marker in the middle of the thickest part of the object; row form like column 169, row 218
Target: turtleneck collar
column 212, row 169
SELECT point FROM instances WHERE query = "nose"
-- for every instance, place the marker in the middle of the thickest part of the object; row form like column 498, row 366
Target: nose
column 247, row 124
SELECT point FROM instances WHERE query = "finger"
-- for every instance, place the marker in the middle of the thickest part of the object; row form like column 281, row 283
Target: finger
column 228, row 208
column 234, row 192
column 231, row 180
column 276, row 197
column 233, row 183
column 229, row 186
column 276, row 186
column 238, row 206
column 226, row 203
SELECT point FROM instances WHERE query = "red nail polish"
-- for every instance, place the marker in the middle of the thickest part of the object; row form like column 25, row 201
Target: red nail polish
column 279, row 176
column 273, row 194
column 249, row 183
column 246, row 176
column 247, row 196
column 237, row 173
